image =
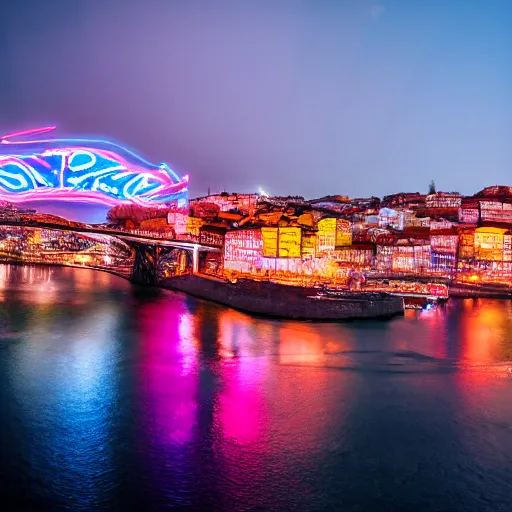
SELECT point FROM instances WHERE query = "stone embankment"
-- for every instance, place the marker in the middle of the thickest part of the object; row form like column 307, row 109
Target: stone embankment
column 475, row 291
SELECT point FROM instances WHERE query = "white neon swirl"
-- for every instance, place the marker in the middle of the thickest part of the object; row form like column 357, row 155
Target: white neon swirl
column 142, row 183
column 56, row 152
column 96, row 182
column 101, row 173
column 25, row 169
column 34, row 175
column 81, row 167
column 148, row 184
column 19, row 177
column 164, row 168
column 122, row 175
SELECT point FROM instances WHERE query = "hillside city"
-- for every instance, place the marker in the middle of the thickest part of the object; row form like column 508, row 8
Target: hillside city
column 404, row 241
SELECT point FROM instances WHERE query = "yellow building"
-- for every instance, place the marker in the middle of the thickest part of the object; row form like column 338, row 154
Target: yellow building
column 326, row 236
column 283, row 242
column 489, row 243
column 194, row 225
column 308, row 245
column 269, row 236
column 289, row 242
column 343, row 233
column 35, row 237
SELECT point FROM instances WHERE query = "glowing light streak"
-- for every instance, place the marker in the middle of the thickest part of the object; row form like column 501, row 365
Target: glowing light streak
column 89, row 142
column 24, row 133
column 41, row 162
column 141, row 182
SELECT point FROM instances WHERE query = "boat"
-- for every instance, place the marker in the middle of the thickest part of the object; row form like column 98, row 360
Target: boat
column 412, row 306
column 285, row 301
column 422, row 305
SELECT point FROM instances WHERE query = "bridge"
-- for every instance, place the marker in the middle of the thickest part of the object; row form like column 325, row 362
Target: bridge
column 148, row 250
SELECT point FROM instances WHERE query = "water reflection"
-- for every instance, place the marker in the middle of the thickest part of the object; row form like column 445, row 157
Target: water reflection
column 56, row 285
column 61, row 372
column 115, row 397
column 169, row 374
column 487, row 331
column 240, row 409
column 167, row 408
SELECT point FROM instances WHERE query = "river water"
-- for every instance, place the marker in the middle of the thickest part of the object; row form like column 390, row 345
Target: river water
column 115, row 397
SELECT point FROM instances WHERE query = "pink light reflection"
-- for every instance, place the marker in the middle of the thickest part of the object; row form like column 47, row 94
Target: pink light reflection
column 242, row 404
column 169, row 373
column 424, row 332
column 187, row 345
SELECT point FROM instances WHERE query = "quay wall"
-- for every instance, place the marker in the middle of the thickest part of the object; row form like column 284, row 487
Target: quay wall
column 462, row 290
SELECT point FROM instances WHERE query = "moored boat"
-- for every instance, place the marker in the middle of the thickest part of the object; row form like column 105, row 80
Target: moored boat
column 283, row 301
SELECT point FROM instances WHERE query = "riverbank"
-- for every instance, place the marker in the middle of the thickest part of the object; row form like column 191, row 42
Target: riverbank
column 282, row 301
column 475, row 291
column 266, row 299
column 261, row 298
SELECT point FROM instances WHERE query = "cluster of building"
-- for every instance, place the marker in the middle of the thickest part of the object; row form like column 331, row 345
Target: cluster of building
column 334, row 238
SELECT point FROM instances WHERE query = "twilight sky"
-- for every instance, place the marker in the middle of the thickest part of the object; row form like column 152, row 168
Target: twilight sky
column 356, row 97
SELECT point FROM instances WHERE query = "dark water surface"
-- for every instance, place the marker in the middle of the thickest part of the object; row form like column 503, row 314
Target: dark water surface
column 118, row 398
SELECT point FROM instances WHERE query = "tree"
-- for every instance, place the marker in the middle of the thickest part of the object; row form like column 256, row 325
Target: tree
column 432, row 187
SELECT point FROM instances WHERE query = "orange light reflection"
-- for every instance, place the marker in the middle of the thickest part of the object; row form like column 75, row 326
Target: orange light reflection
column 487, row 331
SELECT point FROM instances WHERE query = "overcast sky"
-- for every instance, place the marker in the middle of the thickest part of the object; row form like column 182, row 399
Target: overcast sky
column 303, row 97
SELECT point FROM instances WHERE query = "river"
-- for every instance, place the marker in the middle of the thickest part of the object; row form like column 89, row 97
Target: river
column 115, row 397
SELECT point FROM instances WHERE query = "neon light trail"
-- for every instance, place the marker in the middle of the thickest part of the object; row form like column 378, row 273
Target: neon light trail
column 84, row 171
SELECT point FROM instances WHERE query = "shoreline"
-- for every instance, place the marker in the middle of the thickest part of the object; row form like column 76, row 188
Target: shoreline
column 272, row 300
column 485, row 291
column 267, row 300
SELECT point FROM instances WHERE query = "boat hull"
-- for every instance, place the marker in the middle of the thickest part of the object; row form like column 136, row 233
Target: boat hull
column 282, row 301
